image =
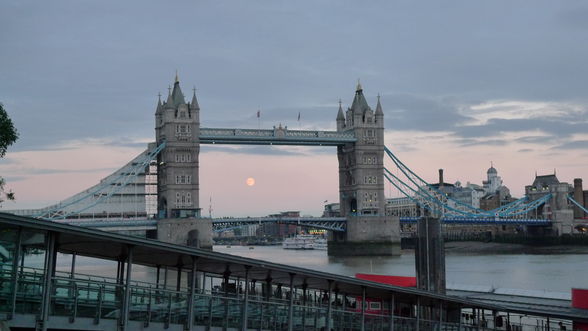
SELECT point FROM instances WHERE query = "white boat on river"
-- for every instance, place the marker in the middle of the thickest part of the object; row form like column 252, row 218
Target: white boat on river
column 305, row 241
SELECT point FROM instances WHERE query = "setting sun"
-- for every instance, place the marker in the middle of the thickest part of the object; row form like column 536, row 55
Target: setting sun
column 250, row 181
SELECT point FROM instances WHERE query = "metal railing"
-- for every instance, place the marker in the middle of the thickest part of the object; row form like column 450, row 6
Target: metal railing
column 97, row 298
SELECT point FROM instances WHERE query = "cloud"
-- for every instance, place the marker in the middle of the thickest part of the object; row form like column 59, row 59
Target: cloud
column 49, row 171
column 413, row 112
column 555, row 127
column 516, row 109
column 12, row 179
column 482, row 142
column 577, row 144
column 541, row 140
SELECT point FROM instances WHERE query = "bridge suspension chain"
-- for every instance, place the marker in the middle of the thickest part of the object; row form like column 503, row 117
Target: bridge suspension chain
column 422, row 185
column 431, row 198
column 578, row 204
column 111, row 187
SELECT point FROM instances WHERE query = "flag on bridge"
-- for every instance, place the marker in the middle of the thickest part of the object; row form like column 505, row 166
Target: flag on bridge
column 298, row 116
column 258, row 113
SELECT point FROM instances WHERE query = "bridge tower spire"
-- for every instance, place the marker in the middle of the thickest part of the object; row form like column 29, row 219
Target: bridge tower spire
column 361, row 184
column 178, row 125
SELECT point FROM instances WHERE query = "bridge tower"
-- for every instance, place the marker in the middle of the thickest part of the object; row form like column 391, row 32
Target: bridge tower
column 361, row 184
column 177, row 123
column 557, row 209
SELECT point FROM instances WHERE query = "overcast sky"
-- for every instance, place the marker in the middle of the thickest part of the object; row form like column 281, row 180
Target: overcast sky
column 463, row 84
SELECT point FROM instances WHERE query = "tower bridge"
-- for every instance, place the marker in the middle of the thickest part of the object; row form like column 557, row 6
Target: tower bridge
column 159, row 189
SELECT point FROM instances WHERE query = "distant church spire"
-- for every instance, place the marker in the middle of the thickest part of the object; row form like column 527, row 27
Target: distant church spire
column 358, row 88
column 177, row 77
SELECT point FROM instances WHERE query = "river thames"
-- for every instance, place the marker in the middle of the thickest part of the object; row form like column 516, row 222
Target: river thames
column 538, row 272
column 535, row 272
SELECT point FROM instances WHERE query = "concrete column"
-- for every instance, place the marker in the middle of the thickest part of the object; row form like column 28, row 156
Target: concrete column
column 267, row 288
column 158, row 268
column 329, row 306
column 226, row 276
column 440, row 314
column 392, row 303
column 179, row 278
column 49, row 266
column 430, row 256
column 165, row 278
column 127, row 296
column 291, row 304
column 363, row 304
column 15, row 260
column 245, row 300
column 418, row 314
column 304, row 293
column 72, row 290
column 72, row 270
column 192, row 296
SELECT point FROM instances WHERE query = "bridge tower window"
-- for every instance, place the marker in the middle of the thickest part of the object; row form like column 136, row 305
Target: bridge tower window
column 183, row 199
column 370, row 180
column 183, row 157
column 183, row 179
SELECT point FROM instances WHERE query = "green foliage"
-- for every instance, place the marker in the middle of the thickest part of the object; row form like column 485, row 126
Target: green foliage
column 5, row 195
column 8, row 133
column 8, row 136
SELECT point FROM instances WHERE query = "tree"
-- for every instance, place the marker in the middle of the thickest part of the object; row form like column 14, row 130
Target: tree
column 8, row 136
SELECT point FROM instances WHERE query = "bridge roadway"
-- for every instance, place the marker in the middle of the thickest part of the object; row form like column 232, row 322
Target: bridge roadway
column 211, row 290
column 337, row 224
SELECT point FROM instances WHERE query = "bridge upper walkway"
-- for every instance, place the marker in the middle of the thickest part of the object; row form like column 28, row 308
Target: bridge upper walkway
column 211, row 289
column 277, row 136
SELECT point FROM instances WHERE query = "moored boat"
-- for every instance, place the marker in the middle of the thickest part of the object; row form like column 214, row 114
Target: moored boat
column 301, row 241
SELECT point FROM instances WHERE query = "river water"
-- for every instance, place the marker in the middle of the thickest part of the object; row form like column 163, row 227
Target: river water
column 552, row 273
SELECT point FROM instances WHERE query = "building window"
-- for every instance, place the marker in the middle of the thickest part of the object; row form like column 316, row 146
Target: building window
column 183, row 199
column 369, row 160
column 183, row 157
column 369, row 180
column 183, row 130
column 183, row 179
